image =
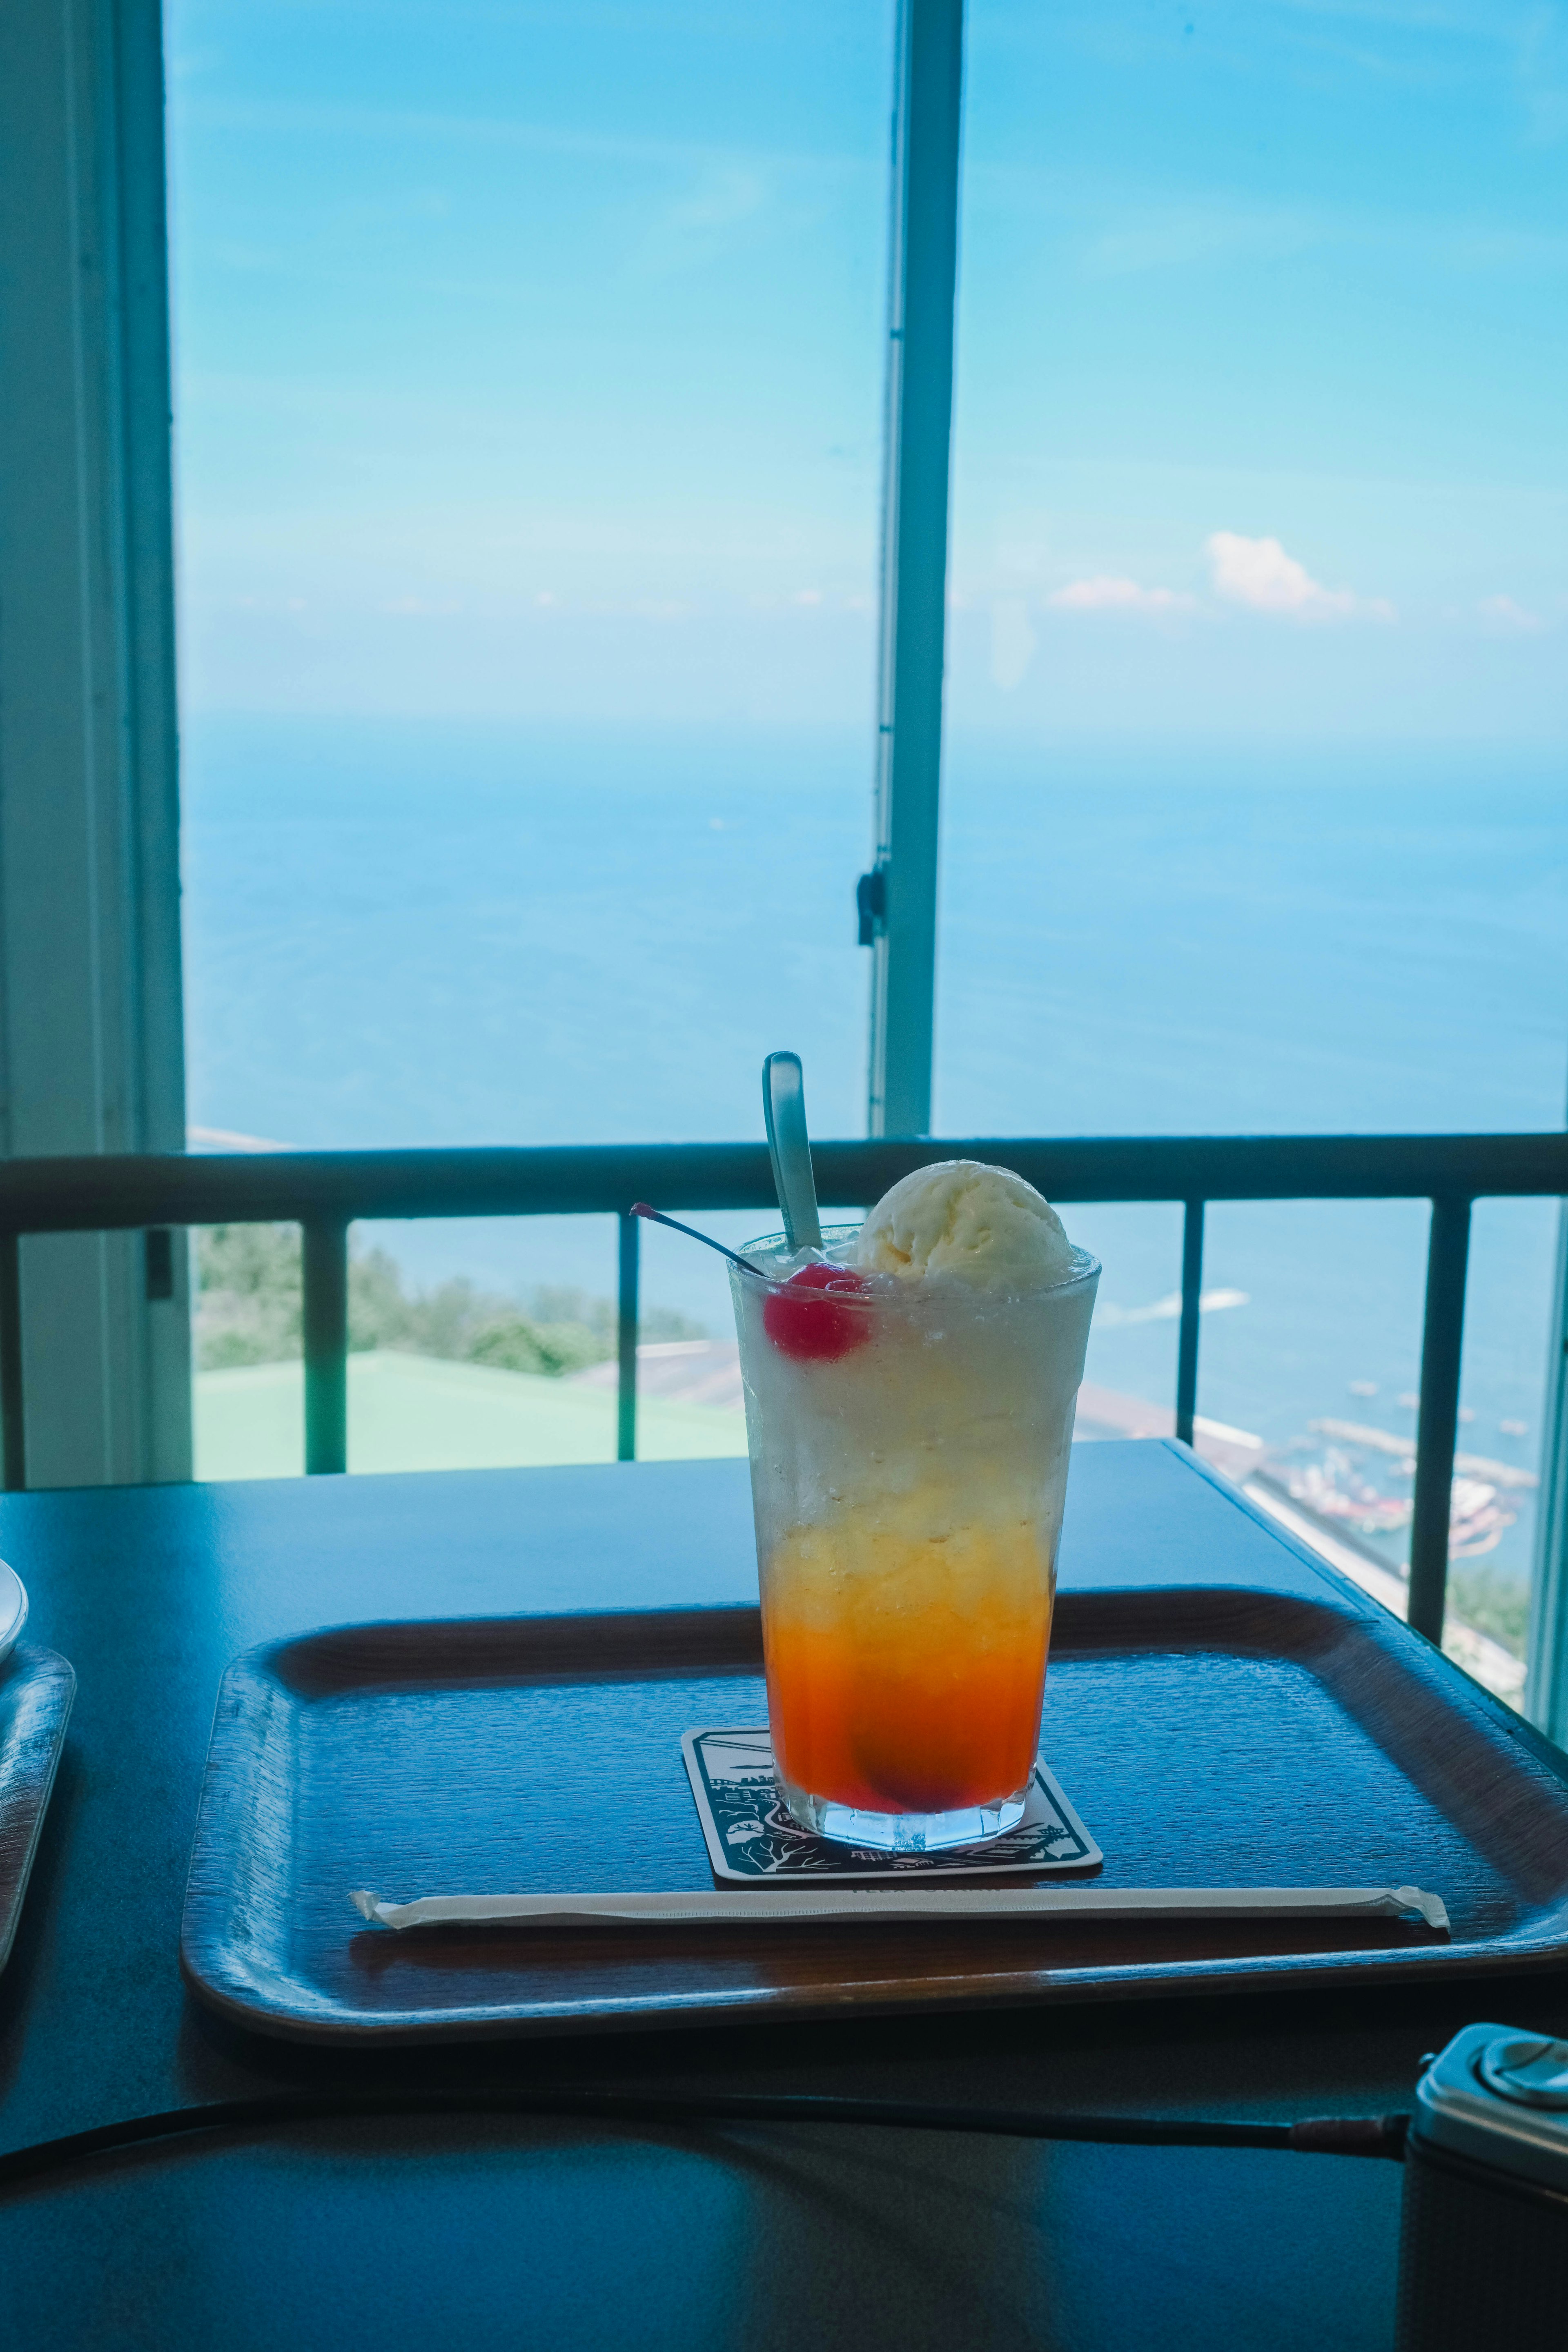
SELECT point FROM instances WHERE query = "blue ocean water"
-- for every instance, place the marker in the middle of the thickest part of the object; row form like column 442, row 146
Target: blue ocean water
column 422, row 933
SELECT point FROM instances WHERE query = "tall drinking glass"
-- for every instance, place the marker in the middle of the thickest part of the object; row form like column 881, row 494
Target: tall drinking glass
column 908, row 1445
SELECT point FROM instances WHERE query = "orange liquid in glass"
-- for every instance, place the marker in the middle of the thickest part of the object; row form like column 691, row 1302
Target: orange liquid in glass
column 905, row 1672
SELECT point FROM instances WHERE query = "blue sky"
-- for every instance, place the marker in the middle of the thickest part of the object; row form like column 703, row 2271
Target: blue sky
column 528, row 364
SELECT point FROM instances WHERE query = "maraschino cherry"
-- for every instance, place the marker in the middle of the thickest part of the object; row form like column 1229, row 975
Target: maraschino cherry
column 805, row 1320
column 802, row 1317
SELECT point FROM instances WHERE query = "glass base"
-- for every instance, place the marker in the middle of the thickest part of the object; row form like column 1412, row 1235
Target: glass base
column 904, row 1833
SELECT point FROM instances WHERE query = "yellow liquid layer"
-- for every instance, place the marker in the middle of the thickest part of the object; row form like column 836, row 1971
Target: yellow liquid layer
column 906, row 1656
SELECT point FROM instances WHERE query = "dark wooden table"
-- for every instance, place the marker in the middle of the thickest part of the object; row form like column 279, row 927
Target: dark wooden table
column 512, row 2232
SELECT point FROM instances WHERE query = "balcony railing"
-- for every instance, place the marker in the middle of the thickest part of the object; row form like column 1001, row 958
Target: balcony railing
column 325, row 1191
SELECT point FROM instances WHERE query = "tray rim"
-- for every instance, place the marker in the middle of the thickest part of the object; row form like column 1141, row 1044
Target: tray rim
column 255, row 1999
column 53, row 1679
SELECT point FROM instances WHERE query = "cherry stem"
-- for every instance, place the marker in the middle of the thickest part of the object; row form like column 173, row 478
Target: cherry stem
column 658, row 1217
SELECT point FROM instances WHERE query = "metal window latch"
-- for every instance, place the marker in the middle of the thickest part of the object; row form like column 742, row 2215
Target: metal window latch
column 871, row 903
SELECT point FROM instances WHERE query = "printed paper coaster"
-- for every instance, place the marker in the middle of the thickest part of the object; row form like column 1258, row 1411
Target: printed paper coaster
column 749, row 1836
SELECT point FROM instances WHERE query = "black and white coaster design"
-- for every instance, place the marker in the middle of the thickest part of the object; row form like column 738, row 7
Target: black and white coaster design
column 751, row 1837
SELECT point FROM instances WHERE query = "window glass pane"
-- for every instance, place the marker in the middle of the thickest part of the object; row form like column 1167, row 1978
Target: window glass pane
column 529, row 393
column 1256, row 708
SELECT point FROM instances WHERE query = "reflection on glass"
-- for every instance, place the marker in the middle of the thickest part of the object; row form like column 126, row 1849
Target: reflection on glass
column 529, row 408
column 530, row 372
column 1255, row 714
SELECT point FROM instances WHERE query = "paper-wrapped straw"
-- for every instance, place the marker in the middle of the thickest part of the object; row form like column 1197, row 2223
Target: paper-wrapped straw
column 872, row 1906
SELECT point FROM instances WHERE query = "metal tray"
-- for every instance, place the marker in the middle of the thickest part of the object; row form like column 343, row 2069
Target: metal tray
column 1210, row 1736
column 36, row 1687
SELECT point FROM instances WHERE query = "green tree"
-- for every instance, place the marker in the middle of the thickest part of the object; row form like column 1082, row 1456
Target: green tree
column 249, row 1311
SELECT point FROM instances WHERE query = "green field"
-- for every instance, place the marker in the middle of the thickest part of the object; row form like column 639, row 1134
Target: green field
column 419, row 1413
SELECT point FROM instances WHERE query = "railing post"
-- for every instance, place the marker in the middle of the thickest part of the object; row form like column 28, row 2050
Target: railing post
column 626, row 1344
column 13, row 1412
column 1187, row 1344
column 1442, row 1344
column 324, row 1263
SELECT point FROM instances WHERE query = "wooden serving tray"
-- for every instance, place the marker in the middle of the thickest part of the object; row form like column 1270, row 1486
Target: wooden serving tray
column 36, row 1687
column 1209, row 1736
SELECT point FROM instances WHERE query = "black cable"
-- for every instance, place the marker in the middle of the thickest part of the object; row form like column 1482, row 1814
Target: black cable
column 1333, row 2135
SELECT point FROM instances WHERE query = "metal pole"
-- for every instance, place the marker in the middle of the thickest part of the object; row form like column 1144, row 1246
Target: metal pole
column 898, row 900
column 94, row 1193
column 626, row 1344
column 1546, row 1690
column 324, row 1263
column 1436, row 1427
column 1187, row 1345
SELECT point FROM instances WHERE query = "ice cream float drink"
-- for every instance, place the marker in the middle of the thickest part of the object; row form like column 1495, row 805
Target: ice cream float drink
column 910, row 1393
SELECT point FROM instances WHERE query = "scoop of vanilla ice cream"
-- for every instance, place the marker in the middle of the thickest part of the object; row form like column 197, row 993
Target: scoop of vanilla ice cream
column 960, row 1217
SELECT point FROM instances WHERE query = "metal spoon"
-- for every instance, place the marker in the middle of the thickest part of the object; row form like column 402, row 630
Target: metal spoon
column 784, row 1107
column 658, row 1217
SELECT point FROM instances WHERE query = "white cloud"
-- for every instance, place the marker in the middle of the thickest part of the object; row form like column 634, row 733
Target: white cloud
column 1171, row 236
column 1502, row 614
column 1106, row 594
column 1012, row 643
column 1541, row 65
column 696, row 230
column 1258, row 574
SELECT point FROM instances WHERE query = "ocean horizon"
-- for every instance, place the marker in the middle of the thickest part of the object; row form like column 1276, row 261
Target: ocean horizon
column 433, row 932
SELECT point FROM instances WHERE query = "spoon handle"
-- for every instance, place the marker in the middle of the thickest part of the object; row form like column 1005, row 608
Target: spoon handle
column 658, row 1217
column 784, row 1107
